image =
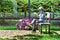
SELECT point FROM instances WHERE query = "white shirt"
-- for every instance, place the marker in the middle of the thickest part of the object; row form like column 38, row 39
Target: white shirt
column 41, row 16
column 48, row 15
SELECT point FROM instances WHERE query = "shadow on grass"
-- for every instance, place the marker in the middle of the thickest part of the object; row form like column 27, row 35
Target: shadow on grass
column 29, row 37
column 55, row 36
column 45, row 36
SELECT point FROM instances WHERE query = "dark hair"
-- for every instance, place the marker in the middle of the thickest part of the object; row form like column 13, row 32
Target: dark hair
column 41, row 9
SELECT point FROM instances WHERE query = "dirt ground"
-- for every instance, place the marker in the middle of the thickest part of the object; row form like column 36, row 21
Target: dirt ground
column 11, row 33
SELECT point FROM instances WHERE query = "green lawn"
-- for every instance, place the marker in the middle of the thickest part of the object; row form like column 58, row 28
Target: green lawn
column 42, row 37
column 36, row 37
column 52, row 36
column 13, row 27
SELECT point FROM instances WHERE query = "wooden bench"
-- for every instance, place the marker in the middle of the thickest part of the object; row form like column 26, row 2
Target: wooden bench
column 46, row 24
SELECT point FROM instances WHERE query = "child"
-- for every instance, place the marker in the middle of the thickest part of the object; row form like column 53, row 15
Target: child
column 41, row 15
column 33, row 22
column 48, row 17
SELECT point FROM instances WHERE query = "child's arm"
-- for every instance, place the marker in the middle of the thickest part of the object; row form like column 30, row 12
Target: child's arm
column 33, row 21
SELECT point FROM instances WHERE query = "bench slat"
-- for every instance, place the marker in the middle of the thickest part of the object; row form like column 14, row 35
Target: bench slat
column 44, row 23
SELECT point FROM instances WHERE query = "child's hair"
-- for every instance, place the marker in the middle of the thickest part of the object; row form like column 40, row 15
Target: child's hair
column 36, row 15
column 46, row 14
column 41, row 8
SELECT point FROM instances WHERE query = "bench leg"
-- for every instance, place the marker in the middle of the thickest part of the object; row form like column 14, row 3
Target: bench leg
column 41, row 29
column 46, row 28
column 49, row 29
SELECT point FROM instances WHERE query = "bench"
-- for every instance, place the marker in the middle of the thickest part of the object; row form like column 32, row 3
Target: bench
column 46, row 24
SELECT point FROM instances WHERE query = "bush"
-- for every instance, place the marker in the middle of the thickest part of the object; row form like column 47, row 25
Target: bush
column 5, row 22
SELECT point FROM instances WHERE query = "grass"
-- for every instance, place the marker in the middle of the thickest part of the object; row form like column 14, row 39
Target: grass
column 13, row 27
column 53, row 27
column 56, row 28
column 44, row 36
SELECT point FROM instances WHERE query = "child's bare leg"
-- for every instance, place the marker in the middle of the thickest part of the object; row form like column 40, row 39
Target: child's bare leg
column 28, row 24
column 26, row 27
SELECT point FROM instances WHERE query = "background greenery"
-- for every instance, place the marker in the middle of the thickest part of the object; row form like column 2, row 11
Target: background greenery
column 6, row 9
column 6, row 6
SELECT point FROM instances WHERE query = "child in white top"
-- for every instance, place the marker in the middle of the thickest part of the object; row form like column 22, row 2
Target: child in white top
column 48, row 16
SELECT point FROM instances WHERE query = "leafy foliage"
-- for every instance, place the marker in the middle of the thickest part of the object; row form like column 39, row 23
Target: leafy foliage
column 22, row 5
